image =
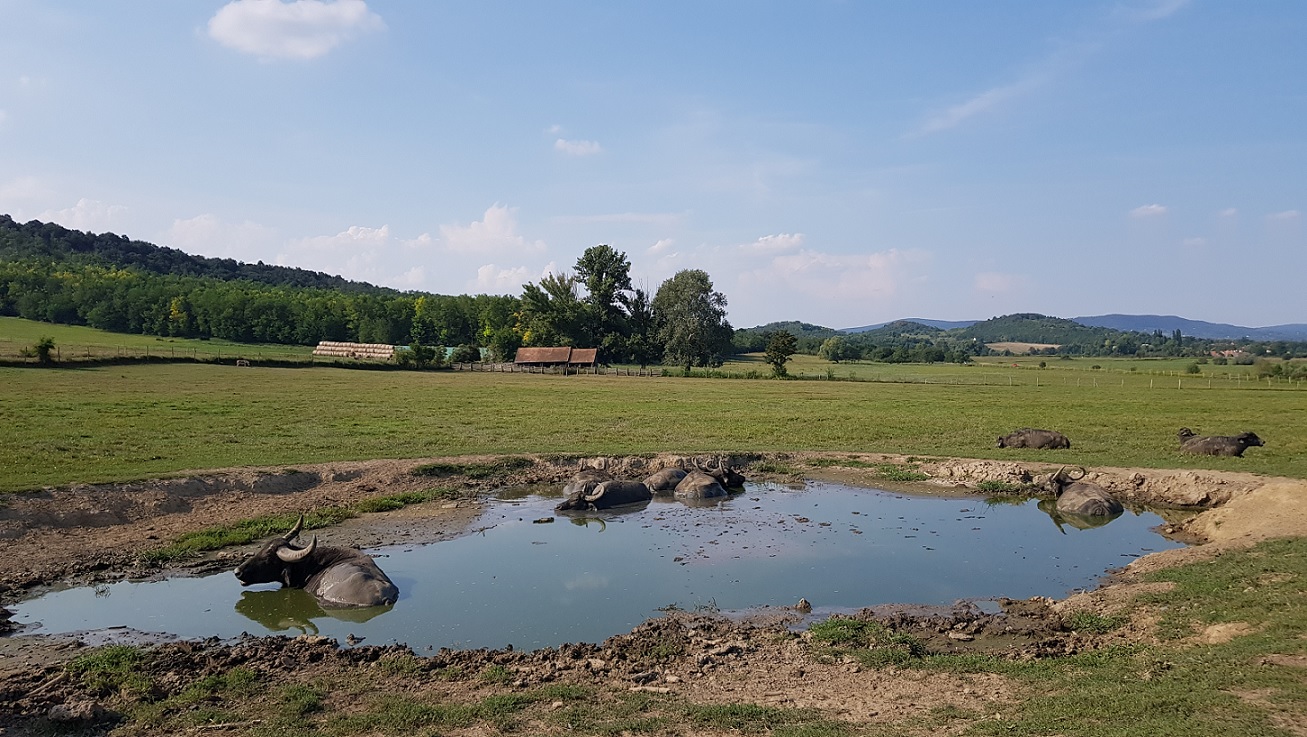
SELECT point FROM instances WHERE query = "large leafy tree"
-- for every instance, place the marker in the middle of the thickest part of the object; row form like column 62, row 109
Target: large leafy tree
column 691, row 320
column 552, row 312
column 780, row 346
column 606, row 275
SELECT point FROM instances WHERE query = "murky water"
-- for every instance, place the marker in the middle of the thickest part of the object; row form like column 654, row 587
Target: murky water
column 586, row 578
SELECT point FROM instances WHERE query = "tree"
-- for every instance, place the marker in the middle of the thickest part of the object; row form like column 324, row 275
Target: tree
column 691, row 320
column 552, row 312
column 836, row 349
column 606, row 275
column 642, row 344
column 780, row 346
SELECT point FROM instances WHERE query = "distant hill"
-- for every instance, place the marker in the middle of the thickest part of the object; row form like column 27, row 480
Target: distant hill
column 1194, row 328
column 795, row 328
column 1035, row 328
column 902, row 328
column 50, row 242
column 939, row 324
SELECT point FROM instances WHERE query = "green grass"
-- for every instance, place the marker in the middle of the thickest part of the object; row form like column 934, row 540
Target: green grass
column 75, row 343
column 115, row 423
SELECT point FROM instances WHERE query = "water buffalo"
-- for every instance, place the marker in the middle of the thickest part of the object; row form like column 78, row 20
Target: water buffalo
column 584, row 482
column 336, row 577
column 665, row 481
column 606, row 495
column 710, row 483
column 1029, row 437
column 1081, row 498
column 1217, row 445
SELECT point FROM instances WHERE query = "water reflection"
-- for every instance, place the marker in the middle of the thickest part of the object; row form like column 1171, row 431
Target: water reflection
column 295, row 609
column 1078, row 521
column 534, row 585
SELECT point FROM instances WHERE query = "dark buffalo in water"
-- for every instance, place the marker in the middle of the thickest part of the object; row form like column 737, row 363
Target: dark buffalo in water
column 1081, row 498
column 336, row 577
column 1217, row 445
column 585, row 481
column 606, row 495
column 1030, row 437
column 709, row 484
column 665, row 481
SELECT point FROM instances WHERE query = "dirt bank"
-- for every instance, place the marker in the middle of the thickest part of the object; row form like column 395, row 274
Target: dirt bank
column 85, row 533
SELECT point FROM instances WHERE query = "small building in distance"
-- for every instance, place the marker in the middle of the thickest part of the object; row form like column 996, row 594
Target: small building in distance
column 370, row 351
column 556, row 357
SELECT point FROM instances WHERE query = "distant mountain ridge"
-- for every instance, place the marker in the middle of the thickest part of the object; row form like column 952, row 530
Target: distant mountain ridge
column 1138, row 323
column 1194, row 328
column 941, row 324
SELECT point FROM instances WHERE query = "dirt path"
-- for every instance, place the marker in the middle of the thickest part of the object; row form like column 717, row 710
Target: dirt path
column 100, row 533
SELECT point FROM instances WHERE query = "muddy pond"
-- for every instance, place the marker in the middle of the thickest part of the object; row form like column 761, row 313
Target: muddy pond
column 528, row 583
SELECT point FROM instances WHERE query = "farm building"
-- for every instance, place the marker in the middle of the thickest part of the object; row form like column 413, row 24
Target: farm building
column 557, row 356
column 373, row 351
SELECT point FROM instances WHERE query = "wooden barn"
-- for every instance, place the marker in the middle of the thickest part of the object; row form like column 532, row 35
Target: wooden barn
column 556, row 357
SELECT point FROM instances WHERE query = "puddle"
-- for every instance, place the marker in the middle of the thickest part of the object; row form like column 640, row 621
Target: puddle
column 584, row 578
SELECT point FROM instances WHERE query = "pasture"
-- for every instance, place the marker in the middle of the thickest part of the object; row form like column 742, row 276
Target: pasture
column 75, row 342
column 119, row 422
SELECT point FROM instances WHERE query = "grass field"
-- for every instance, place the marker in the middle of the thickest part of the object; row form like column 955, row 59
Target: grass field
column 104, row 423
column 73, row 342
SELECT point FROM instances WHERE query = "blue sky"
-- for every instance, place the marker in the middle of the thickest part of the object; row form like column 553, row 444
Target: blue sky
column 840, row 163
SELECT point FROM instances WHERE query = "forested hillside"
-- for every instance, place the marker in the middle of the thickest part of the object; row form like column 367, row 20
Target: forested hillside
column 53, row 243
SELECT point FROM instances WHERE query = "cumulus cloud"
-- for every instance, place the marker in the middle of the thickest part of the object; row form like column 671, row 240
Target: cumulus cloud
column 299, row 29
column 775, row 243
column 87, row 214
column 577, row 148
column 856, row 278
column 207, row 235
column 1148, row 211
column 662, row 246
column 495, row 232
column 1228, row 212
column 1286, row 216
column 994, row 282
column 492, row 279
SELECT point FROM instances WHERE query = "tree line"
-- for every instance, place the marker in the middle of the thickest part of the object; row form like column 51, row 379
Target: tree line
column 53, row 274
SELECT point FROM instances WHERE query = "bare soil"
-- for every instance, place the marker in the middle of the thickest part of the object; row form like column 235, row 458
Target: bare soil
column 99, row 533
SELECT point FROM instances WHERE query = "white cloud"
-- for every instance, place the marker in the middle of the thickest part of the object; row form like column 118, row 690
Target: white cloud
column 1228, row 212
column 775, row 243
column 206, row 235
column 1286, row 216
column 89, row 215
column 1148, row 211
column 856, row 278
column 492, row 279
column 662, row 246
column 300, row 29
column 1194, row 242
column 979, row 104
column 495, row 232
column 577, row 148
column 994, row 282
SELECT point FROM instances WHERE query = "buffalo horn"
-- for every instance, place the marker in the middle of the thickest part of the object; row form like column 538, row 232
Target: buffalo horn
column 1077, row 478
column 290, row 555
column 294, row 530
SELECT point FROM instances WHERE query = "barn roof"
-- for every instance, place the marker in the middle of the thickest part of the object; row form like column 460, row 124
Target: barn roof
column 584, row 355
column 543, row 355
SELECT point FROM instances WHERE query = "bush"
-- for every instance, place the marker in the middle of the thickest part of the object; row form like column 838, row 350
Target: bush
column 1192, row 369
column 466, row 353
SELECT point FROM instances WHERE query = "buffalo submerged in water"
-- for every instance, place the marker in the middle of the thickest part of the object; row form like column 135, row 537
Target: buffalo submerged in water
column 336, row 577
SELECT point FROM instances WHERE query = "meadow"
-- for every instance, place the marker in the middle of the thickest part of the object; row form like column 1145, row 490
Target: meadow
column 99, row 423
column 79, row 343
